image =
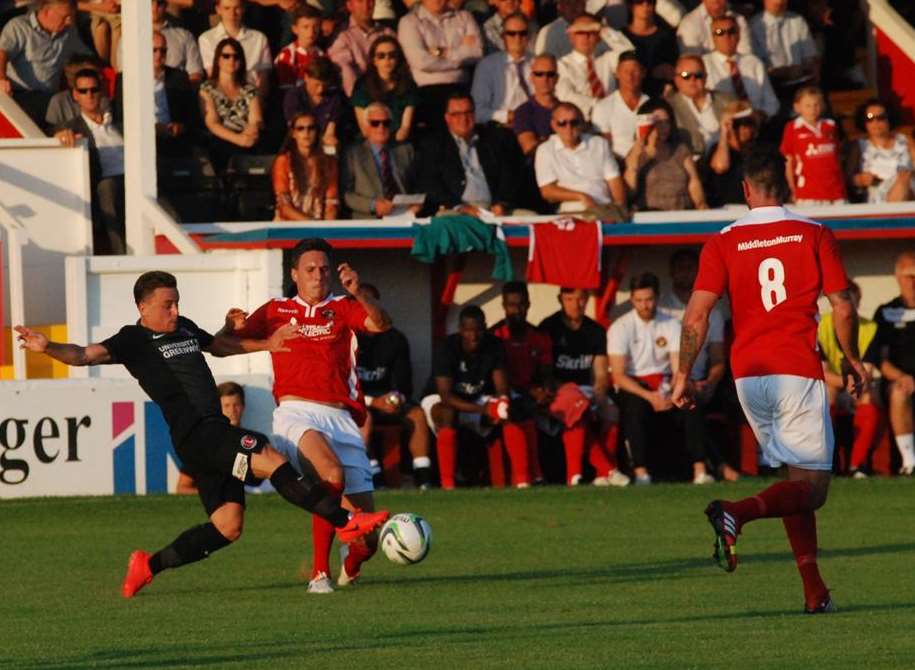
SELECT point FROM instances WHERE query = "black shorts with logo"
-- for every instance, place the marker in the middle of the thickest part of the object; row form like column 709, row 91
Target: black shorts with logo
column 218, row 456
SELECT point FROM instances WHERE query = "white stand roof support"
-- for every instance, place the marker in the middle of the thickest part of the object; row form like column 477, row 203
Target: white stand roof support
column 144, row 217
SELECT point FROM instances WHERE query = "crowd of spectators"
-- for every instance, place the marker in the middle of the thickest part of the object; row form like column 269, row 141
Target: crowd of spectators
column 644, row 104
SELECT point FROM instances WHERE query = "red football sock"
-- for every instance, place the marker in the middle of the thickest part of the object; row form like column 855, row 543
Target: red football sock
column 782, row 499
column 446, row 447
column 802, row 534
column 597, row 456
column 866, row 424
column 573, row 441
column 323, row 533
column 359, row 553
column 533, row 449
column 516, row 445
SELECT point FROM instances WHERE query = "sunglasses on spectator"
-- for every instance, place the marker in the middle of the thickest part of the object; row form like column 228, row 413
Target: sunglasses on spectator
column 588, row 33
column 385, row 55
column 572, row 123
column 692, row 75
column 544, row 73
column 515, row 33
column 89, row 90
column 227, row 55
column 384, row 123
column 870, row 116
column 642, row 2
column 719, row 32
column 307, row 128
column 160, row 50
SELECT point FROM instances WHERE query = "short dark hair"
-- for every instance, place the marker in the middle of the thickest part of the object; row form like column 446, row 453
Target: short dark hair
column 627, row 55
column 88, row 73
column 572, row 289
column 148, row 282
column 231, row 388
column 323, row 69
column 310, row 244
column 516, row 288
column 459, row 94
column 371, row 289
column 645, row 280
column 684, row 255
column 472, row 312
column 305, row 11
column 764, row 167
column 892, row 113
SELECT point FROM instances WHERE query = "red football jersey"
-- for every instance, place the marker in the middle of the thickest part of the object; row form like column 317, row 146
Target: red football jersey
column 566, row 253
column 321, row 365
column 525, row 355
column 773, row 264
column 818, row 171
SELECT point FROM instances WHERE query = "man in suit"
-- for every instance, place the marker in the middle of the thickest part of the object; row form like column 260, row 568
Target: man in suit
column 697, row 110
column 106, row 161
column 468, row 166
column 376, row 170
column 174, row 100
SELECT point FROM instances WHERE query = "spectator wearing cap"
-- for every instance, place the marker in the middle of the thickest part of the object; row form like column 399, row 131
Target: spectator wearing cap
column 694, row 34
column 642, row 346
column 615, row 115
column 554, row 39
column 350, row 49
column 724, row 163
column 655, row 44
column 468, row 166
column 532, row 120
column 660, row 169
column 575, row 169
column 742, row 75
column 584, row 77
column 697, row 110
column 257, row 50
column 441, row 45
column 782, row 40
column 183, row 52
column 374, row 171
column 502, row 81
column 33, row 50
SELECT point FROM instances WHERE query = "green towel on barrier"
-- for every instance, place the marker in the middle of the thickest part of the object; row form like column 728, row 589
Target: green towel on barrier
column 458, row 234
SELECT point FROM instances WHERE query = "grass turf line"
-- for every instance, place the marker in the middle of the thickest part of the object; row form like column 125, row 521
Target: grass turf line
column 542, row 578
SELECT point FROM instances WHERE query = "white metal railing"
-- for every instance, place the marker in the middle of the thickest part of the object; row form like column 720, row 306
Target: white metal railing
column 16, row 237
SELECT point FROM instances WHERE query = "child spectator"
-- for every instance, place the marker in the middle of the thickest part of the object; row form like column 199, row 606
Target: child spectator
column 810, row 145
column 294, row 59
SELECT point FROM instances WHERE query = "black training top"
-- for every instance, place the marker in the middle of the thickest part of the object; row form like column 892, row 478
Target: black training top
column 574, row 350
column 383, row 363
column 896, row 332
column 172, row 370
column 471, row 374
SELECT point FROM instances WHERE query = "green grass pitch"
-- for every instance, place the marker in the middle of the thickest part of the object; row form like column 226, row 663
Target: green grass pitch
column 542, row 578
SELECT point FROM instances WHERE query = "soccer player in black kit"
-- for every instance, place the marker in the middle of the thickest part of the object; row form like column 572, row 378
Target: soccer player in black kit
column 163, row 351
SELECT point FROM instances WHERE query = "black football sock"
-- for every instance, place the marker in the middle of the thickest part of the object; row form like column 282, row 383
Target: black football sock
column 192, row 545
column 305, row 492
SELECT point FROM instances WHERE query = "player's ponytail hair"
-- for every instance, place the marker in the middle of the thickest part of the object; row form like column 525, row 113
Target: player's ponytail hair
column 765, row 169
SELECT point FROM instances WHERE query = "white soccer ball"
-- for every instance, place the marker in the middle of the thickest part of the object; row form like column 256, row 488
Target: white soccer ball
column 406, row 538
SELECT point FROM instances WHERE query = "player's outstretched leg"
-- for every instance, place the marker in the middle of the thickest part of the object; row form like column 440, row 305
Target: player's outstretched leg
column 322, row 540
column 354, row 554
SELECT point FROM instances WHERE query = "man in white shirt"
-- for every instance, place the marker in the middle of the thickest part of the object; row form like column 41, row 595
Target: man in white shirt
column 577, row 170
column 183, row 52
column 253, row 42
column 694, row 33
column 106, row 161
column 502, row 81
column 584, row 76
column 698, row 111
column 615, row 116
column 553, row 38
column 643, row 346
column 742, row 75
column 782, row 40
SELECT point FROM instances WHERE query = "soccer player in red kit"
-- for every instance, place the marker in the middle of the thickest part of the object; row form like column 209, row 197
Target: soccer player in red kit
column 774, row 264
column 320, row 403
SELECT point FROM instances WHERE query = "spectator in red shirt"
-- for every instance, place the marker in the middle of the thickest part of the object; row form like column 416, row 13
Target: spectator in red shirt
column 293, row 60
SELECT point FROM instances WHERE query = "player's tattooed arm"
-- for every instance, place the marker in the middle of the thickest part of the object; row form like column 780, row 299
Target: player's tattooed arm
column 71, row 354
column 690, row 343
column 845, row 323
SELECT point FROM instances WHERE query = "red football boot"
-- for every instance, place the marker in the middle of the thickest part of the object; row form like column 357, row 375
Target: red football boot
column 360, row 524
column 138, row 574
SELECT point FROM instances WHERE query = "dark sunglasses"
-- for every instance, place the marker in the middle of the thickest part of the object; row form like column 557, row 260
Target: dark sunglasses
column 544, row 73
column 160, row 50
column 384, row 123
column 692, row 75
column 643, row 2
column 870, row 116
column 386, row 55
column 515, row 33
column 88, row 90
column 572, row 123
column 306, row 128
column 725, row 31
column 226, row 56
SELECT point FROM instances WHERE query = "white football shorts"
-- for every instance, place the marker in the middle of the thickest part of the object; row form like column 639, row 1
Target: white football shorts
column 468, row 420
column 790, row 417
column 294, row 418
